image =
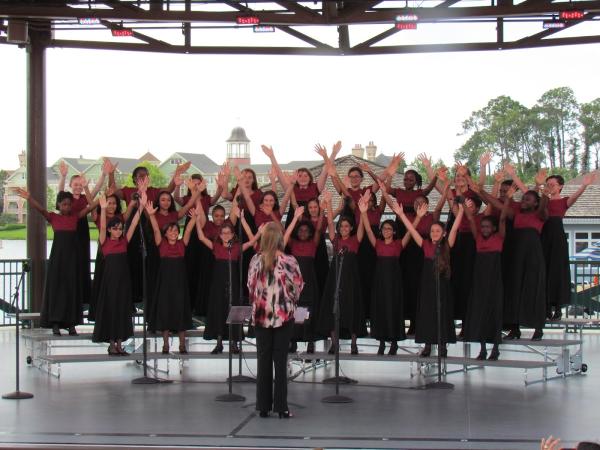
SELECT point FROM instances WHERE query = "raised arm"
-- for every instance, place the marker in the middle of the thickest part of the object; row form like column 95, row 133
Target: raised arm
column 63, row 170
column 330, row 225
column 364, row 219
column 288, row 193
column 275, row 165
column 376, row 179
column 195, row 190
column 489, row 199
column 32, row 201
column 136, row 218
column 242, row 188
column 437, row 212
column 102, row 232
column 220, row 180
column 252, row 238
column 290, row 229
column 189, row 227
column 151, row 211
column 421, row 211
column 397, row 208
column 201, row 236
column 542, row 210
column 422, row 157
column 470, row 218
column 335, row 180
column 455, row 225
column 587, row 180
column 106, row 166
column 512, row 173
column 483, row 163
column 502, row 221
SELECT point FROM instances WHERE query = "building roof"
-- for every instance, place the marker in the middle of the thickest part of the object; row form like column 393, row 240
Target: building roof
column 238, row 134
column 79, row 164
column 201, row 162
column 149, row 157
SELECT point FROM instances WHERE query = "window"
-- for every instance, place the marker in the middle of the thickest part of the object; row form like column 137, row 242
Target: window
column 176, row 161
column 585, row 239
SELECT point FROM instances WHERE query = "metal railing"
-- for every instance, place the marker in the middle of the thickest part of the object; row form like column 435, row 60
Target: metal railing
column 10, row 272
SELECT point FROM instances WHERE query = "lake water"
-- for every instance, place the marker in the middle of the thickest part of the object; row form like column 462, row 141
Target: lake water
column 17, row 249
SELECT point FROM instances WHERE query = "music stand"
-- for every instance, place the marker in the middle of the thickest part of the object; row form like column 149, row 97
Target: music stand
column 238, row 315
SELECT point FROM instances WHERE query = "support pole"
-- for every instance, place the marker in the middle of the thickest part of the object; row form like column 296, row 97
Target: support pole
column 36, row 158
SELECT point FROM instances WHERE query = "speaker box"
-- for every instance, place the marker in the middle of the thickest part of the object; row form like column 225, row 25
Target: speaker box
column 17, row 32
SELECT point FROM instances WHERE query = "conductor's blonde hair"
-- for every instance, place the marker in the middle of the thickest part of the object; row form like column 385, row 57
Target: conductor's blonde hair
column 271, row 241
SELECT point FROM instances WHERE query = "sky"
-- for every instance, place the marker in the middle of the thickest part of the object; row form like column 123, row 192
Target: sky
column 103, row 103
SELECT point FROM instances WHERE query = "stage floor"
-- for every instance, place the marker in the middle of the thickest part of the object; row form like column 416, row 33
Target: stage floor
column 491, row 408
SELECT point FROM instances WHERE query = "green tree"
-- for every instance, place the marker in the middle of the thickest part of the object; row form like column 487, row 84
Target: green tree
column 50, row 198
column 558, row 114
column 3, row 177
column 589, row 118
column 157, row 178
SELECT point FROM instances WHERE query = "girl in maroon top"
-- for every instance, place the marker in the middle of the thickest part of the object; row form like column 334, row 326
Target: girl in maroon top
column 61, row 305
column 171, row 308
column 554, row 244
column 387, row 319
column 483, row 322
column 225, row 248
column 167, row 213
column 351, row 316
column 525, row 288
column 314, row 213
column 112, row 210
column 113, row 305
column 427, row 311
column 302, row 238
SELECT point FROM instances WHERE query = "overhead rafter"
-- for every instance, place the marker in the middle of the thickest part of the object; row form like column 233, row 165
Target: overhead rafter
column 291, row 16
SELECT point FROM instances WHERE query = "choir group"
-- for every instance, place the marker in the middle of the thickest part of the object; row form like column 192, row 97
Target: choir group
column 502, row 267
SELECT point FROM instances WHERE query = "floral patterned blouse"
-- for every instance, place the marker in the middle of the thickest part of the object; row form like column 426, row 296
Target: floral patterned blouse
column 274, row 294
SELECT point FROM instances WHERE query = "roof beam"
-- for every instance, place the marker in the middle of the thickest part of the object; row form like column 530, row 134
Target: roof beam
column 549, row 32
column 142, row 37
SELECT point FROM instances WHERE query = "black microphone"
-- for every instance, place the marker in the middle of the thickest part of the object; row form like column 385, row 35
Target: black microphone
column 342, row 251
column 230, row 244
column 25, row 267
column 239, row 198
column 136, row 196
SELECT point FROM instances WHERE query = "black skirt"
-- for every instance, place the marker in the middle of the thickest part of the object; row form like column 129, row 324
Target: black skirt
column 134, row 255
column 171, row 308
column 61, row 304
column 322, row 263
column 83, row 253
column 113, row 305
column 367, row 258
column 426, row 326
column 387, row 319
column 556, row 256
column 462, row 260
column 218, row 300
column 194, row 269
column 309, row 298
column 525, row 299
column 411, row 262
column 97, row 282
column 352, row 319
column 484, row 317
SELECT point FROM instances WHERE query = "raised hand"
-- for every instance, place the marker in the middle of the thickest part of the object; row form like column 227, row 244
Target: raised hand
column 499, row 176
column 298, row 212
column 63, row 169
column 293, row 177
column 192, row 213
column 226, row 170
column 22, row 193
column 107, row 167
column 273, row 175
column 347, row 182
column 102, row 201
column 442, row 174
column 144, row 199
column 336, row 149
column 397, row 208
column 331, row 171
column 321, row 151
column 178, row 180
column 588, row 179
column 461, row 169
column 84, row 181
column 327, row 196
column 237, row 173
column 550, row 443
column 181, row 168
column 424, row 159
column 469, row 204
column 202, row 186
column 485, row 159
column 422, row 209
column 267, row 151
column 150, row 208
column 509, row 169
column 511, row 190
column 540, row 177
column 363, row 206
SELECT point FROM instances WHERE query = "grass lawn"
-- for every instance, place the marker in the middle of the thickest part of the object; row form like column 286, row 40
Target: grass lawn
column 17, row 232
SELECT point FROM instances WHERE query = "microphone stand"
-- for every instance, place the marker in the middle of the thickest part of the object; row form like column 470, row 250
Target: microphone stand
column 439, row 384
column 240, row 378
column 337, row 379
column 18, row 394
column 230, row 396
column 145, row 379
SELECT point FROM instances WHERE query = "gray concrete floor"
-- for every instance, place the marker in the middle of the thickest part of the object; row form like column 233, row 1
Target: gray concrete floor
column 489, row 408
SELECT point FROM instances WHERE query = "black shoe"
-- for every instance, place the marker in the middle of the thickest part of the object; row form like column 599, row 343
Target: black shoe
column 73, row 332
column 293, row 347
column 557, row 314
column 165, row 350
column 514, row 333
column 234, row 348
column 310, row 348
column 113, row 351
column 393, row 348
column 264, row 414
column 494, row 355
column 443, row 352
column 537, row 335
column 56, row 330
column 183, row 350
column 354, row 349
column 285, row 415
column 482, row 355
column 218, row 349
column 461, row 335
column 381, row 349
column 426, row 351
column 332, row 349
column 411, row 329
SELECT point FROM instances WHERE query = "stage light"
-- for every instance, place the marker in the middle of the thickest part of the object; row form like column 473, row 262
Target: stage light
column 406, row 25
column 553, row 24
column 573, row 14
column 88, row 21
column 122, row 32
column 247, row 20
column 263, row 28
